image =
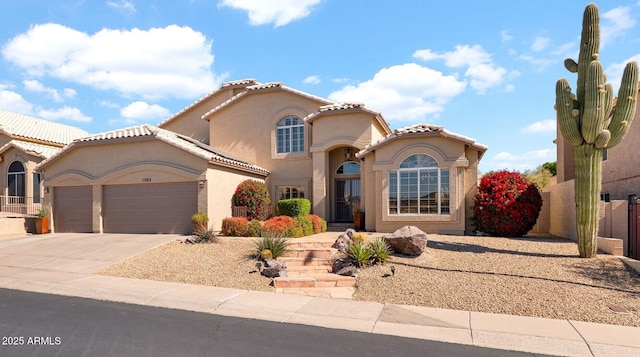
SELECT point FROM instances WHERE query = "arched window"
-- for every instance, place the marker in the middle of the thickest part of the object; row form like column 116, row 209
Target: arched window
column 349, row 168
column 419, row 186
column 290, row 135
column 16, row 179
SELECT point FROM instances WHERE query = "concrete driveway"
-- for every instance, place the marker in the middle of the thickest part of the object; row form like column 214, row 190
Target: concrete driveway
column 73, row 253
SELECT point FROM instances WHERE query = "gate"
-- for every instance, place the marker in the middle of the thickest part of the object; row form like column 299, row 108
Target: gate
column 634, row 228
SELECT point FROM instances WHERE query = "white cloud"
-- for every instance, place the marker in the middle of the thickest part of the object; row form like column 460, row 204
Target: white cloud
column 124, row 5
column 155, row 63
column 614, row 24
column 280, row 13
column 506, row 36
column 540, row 43
column 64, row 113
column 543, row 126
column 526, row 161
column 14, row 102
column 614, row 72
column 312, row 80
column 404, row 92
column 539, row 63
column 33, row 85
column 482, row 72
column 143, row 111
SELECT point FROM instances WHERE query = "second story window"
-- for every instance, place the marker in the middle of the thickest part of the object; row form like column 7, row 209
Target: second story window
column 290, row 135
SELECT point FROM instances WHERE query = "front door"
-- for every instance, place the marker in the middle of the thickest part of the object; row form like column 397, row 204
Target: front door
column 347, row 194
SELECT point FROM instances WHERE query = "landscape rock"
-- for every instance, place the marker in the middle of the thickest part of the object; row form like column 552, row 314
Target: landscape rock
column 342, row 244
column 408, row 240
column 343, row 267
column 350, row 232
column 274, row 269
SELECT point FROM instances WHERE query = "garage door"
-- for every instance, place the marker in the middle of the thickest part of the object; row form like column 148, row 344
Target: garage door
column 149, row 208
column 72, row 209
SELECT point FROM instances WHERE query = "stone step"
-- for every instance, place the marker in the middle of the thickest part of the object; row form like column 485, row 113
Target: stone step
column 326, row 280
column 293, row 262
column 326, row 244
column 308, row 253
column 308, row 270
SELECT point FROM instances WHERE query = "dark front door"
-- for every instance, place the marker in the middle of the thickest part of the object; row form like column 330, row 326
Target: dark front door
column 347, row 194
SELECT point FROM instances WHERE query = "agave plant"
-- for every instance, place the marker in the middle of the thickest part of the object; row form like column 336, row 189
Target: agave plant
column 379, row 250
column 276, row 245
column 359, row 255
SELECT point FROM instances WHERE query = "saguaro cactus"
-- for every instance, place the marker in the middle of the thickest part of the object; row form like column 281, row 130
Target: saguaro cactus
column 590, row 123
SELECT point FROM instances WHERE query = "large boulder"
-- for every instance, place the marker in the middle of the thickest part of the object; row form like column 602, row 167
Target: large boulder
column 408, row 240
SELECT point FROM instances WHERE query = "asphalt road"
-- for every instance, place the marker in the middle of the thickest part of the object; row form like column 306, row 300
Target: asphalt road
column 34, row 324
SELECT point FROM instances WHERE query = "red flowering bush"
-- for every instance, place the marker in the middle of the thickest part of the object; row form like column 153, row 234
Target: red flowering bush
column 280, row 226
column 255, row 196
column 506, row 205
column 235, row 226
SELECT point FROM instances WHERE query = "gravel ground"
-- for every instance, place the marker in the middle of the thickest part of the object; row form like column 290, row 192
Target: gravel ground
column 541, row 277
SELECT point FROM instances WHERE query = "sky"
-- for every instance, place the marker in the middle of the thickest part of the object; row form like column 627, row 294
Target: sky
column 483, row 69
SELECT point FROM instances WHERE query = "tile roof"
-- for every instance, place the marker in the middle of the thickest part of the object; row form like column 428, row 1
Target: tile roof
column 239, row 83
column 421, row 130
column 336, row 108
column 180, row 141
column 43, row 151
column 260, row 88
column 27, row 127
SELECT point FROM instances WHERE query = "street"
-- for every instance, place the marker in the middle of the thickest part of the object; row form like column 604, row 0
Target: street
column 33, row 324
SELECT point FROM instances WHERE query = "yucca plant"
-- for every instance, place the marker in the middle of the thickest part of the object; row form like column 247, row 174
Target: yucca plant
column 205, row 234
column 276, row 245
column 379, row 251
column 359, row 255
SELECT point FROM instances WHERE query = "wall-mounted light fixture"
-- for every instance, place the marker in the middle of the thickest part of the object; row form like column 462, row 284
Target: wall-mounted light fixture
column 46, row 189
column 347, row 153
column 201, row 184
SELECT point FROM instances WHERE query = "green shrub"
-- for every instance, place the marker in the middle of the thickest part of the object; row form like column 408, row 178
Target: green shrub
column 235, row 226
column 199, row 219
column 294, row 207
column 254, row 229
column 359, row 255
column 255, row 195
column 319, row 224
column 379, row 250
column 276, row 245
column 305, row 224
column 279, row 226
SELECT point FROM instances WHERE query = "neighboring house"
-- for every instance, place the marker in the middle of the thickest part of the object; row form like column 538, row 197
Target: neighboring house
column 24, row 142
column 339, row 156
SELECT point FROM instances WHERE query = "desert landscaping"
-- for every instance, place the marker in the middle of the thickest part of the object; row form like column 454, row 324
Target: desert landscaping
column 530, row 276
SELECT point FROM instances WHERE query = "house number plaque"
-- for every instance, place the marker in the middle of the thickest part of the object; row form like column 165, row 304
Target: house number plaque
column 146, row 179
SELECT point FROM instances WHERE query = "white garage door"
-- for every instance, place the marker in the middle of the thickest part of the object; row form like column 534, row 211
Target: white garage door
column 72, row 209
column 149, row 208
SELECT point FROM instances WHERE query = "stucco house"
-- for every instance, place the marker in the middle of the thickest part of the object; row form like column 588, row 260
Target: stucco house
column 149, row 179
column 25, row 141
